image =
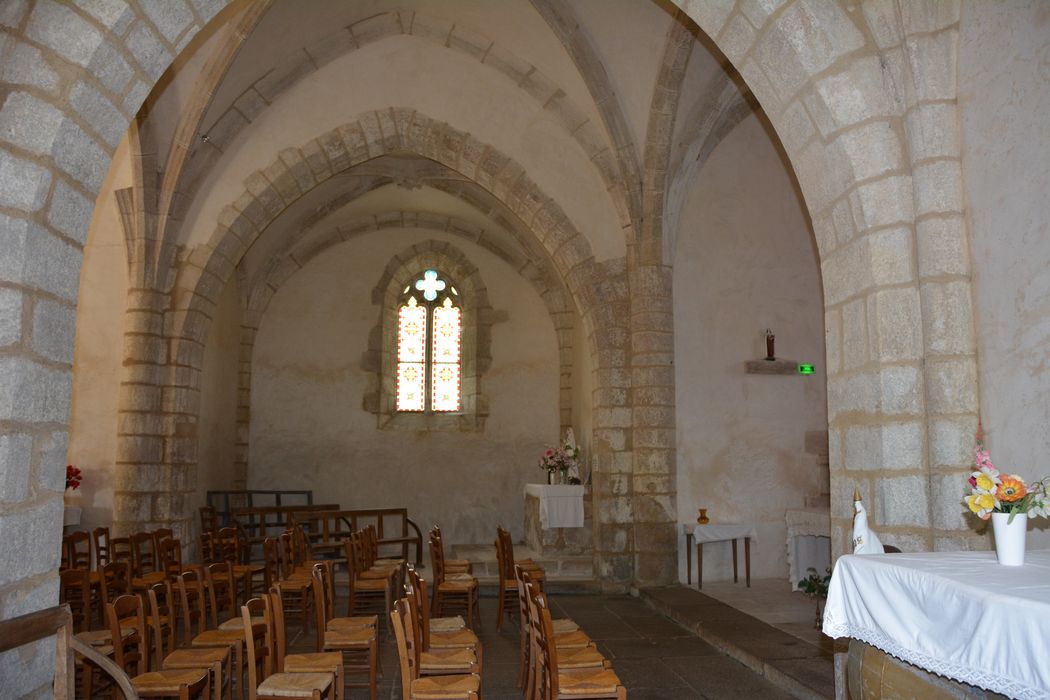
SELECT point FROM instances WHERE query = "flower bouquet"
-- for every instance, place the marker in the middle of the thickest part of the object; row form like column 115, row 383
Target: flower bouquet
column 560, row 459
column 1002, row 497
column 993, row 492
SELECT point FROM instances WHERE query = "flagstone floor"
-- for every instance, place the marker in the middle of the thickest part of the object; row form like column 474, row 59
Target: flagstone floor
column 655, row 657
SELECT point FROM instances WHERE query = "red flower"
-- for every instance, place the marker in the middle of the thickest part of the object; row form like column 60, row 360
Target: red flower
column 72, row 477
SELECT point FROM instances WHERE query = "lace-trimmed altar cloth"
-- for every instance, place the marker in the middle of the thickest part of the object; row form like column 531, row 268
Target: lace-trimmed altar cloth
column 956, row 614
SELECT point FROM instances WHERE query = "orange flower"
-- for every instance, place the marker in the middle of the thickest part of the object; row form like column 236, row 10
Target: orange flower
column 1011, row 489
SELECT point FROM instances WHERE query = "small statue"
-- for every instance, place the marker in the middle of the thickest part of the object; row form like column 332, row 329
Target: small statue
column 770, row 340
column 865, row 541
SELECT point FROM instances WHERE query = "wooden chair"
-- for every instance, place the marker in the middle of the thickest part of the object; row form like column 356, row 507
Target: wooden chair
column 209, row 519
column 293, row 585
column 322, row 574
column 310, row 662
column 120, row 550
column 170, row 555
column 130, row 654
column 445, row 657
column 76, row 554
column 449, row 638
column 359, row 645
column 114, row 581
column 536, row 571
column 415, row 687
column 251, row 578
column 159, row 535
column 144, row 564
column 555, row 684
column 561, row 627
column 78, row 550
column 451, row 590
column 222, row 595
column 452, row 566
column 74, row 589
column 167, row 657
column 194, row 623
column 263, row 683
column 208, row 547
column 162, row 620
column 366, row 594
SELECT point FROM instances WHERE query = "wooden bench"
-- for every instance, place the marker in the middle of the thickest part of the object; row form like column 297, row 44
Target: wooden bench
column 327, row 529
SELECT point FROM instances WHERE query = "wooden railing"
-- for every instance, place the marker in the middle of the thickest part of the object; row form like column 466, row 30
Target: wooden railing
column 58, row 622
column 225, row 502
column 328, row 528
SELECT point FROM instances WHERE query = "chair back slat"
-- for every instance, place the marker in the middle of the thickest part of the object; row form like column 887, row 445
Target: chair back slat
column 100, row 540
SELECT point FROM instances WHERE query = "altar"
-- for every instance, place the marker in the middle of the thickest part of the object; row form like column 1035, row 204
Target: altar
column 557, row 518
column 956, row 614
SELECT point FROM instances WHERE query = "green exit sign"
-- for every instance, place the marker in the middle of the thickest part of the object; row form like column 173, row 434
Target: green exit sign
column 806, row 369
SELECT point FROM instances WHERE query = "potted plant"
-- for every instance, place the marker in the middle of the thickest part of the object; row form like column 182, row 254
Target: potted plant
column 816, row 586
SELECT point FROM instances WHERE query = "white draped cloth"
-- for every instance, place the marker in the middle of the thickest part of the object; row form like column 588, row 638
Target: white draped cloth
column 561, row 505
column 956, row 614
column 722, row 532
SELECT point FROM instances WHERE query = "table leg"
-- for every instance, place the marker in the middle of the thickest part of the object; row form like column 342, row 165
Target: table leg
column 689, row 558
column 747, row 560
column 734, row 561
column 699, row 564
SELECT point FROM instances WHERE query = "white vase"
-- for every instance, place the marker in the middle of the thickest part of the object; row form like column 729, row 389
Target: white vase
column 1010, row 538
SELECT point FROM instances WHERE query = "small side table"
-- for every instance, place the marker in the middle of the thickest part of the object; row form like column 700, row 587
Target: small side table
column 730, row 532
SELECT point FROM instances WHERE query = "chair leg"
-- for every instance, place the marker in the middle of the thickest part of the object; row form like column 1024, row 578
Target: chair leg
column 499, row 605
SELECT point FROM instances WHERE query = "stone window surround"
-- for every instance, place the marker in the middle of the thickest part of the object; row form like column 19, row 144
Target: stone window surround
column 381, row 356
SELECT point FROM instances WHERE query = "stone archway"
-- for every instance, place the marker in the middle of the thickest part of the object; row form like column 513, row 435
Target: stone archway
column 863, row 103
column 171, row 399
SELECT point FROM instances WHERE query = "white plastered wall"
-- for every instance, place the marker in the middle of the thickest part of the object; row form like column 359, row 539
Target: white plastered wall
column 216, row 432
column 745, row 261
column 100, row 350
column 309, row 429
column 1004, row 74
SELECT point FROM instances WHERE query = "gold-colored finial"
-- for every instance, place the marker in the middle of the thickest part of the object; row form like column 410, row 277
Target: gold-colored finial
column 856, row 494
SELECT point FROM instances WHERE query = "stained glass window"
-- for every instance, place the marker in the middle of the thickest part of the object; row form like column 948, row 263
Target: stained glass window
column 429, row 333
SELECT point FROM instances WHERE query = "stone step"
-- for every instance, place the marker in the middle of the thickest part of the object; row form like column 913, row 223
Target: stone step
column 565, row 572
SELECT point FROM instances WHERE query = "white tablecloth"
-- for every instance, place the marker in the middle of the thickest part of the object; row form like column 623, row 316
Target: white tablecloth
column 719, row 532
column 957, row 614
column 561, row 505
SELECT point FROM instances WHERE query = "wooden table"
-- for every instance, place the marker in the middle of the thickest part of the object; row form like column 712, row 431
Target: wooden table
column 716, row 533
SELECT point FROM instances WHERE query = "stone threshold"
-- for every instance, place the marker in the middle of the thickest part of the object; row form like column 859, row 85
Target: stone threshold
column 798, row 667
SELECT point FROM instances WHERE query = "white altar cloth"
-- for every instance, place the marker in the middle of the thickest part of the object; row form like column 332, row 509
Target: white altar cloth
column 719, row 532
column 561, row 505
column 956, row 614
